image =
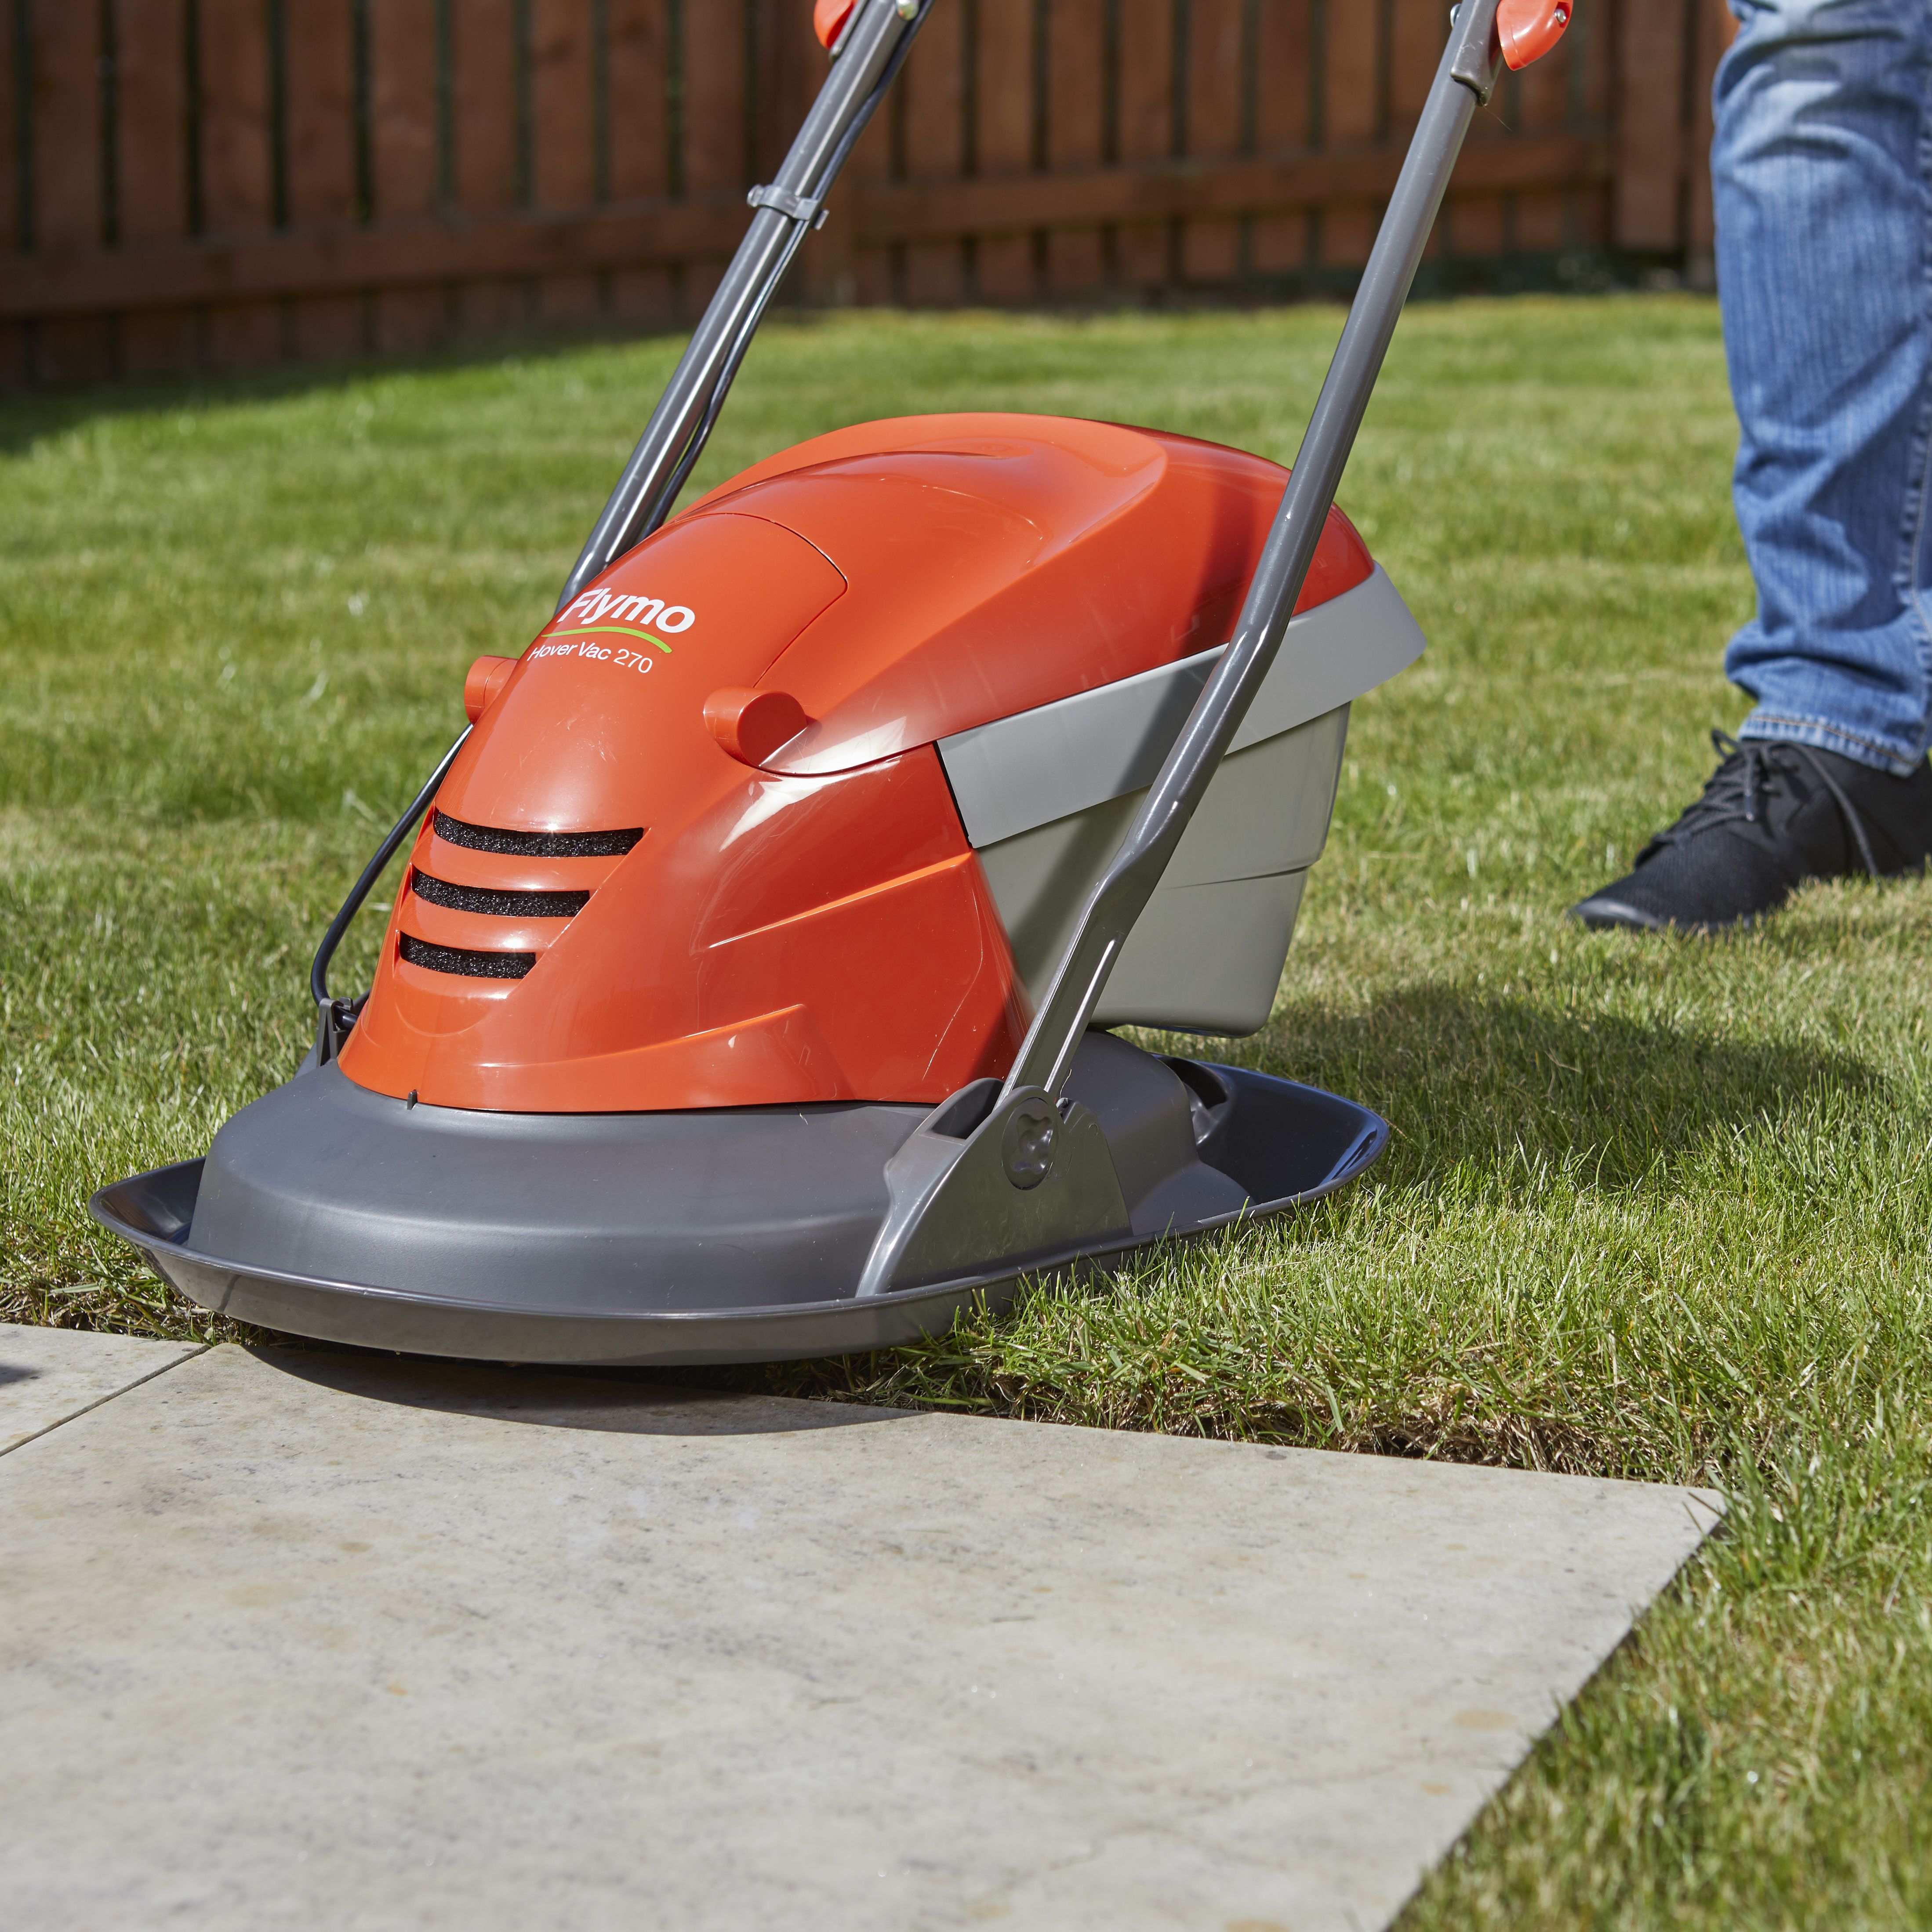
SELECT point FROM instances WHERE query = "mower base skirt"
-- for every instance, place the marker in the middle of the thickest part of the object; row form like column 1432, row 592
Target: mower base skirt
column 730, row 1235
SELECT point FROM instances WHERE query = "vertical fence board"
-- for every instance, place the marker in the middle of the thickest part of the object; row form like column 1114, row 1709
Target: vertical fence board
column 1418, row 29
column 485, row 108
column 935, row 148
column 1076, row 83
column 714, row 119
column 563, row 127
column 66, row 200
column 151, row 139
column 1540, row 217
column 1650, row 134
column 14, row 373
column 1592, row 38
column 1210, row 250
column 1280, row 244
column 1348, row 115
column 151, row 152
column 765, row 139
column 1003, row 138
column 236, row 172
column 66, row 108
column 320, row 109
column 636, row 49
column 403, row 154
column 1144, row 113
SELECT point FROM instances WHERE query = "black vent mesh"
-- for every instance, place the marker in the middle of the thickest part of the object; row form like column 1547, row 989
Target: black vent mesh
column 460, row 959
column 537, row 845
column 497, row 905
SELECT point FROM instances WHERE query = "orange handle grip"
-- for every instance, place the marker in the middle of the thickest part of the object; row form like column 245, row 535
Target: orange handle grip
column 829, row 17
column 1529, row 28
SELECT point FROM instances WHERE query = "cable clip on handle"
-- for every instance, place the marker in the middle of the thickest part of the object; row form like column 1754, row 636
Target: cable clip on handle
column 796, row 207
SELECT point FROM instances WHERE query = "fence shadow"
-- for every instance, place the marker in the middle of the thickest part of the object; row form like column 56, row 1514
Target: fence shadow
column 32, row 415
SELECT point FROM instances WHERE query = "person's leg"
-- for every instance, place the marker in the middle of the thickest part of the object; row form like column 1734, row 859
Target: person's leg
column 1822, row 168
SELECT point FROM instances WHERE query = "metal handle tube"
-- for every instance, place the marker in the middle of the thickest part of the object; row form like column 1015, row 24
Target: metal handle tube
column 1047, row 1053
column 318, row 973
column 868, row 54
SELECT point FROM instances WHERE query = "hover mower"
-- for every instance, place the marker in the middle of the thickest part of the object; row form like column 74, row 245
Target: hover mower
column 747, row 994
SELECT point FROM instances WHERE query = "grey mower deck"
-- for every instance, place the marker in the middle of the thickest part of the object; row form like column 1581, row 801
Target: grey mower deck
column 314, row 1641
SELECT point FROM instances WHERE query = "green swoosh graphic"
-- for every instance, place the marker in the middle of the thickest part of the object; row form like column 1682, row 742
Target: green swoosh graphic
column 621, row 630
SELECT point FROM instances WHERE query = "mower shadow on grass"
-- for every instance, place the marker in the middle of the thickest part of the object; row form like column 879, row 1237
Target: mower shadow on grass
column 1503, row 1086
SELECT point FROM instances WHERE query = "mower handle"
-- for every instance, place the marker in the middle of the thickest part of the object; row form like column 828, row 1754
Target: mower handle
column 1465, row 77
column 869, row 47
column 964, row 1183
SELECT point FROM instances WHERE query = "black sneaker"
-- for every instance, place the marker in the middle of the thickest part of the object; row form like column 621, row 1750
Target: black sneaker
column 1773, row 815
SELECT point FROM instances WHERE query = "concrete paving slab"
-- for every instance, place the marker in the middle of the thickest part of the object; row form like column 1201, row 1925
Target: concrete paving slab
column 49, row 1376
column 319, row 1641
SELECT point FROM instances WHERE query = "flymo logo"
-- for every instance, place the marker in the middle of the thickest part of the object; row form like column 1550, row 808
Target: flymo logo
column 611, row 610
column 600, row 613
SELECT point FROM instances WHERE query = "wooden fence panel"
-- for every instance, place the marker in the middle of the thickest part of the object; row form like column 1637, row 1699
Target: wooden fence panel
column 404, row 147
column 149, row 151
column 1350, row 74
column 1286, row 84
column 318, row 140
column 1537, row 224
column 714, row 125
column 219, row 182
column 563, row 136
column 64, row 150
column 15, row 367
column 1144, row 111
column 637, row 50
column 933, row 147
column 1650, row 133
column 487, row 146
column 1077, row 85
column 237, row 165
column 1214, row 98
column 1003, row 124
column 1593, row 104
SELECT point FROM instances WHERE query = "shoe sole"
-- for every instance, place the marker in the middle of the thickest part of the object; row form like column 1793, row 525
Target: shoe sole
column 1602, row 915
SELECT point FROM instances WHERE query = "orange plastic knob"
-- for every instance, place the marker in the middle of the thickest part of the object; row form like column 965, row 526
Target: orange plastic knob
column 829, row 18
column 753, row 725
column 487, row 678
column 1529, row 28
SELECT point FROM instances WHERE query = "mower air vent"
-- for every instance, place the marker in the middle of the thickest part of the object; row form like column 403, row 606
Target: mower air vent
column 537, row 845
column 460, row 959
column 497, row 905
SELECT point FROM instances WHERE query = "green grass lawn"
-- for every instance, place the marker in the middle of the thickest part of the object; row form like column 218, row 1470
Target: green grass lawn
column 1654, row 1209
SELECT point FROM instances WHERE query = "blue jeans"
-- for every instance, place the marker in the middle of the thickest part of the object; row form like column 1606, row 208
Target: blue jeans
column 1822, row 169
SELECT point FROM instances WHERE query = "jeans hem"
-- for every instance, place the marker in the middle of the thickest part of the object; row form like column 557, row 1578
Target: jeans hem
column 1821, row 736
